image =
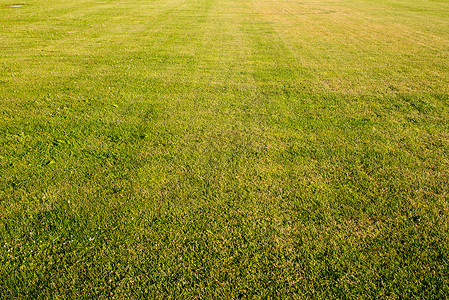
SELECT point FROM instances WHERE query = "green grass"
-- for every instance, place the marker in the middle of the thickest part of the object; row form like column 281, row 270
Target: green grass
column 224, row 149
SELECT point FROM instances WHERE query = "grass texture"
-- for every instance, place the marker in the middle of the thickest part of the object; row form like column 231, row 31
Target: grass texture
column 224, row 149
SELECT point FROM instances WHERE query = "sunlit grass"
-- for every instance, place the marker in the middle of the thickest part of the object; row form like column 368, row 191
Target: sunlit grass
column 224, row 149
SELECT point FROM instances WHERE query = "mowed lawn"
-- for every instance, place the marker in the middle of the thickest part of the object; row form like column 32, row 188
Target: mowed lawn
column 224, row 149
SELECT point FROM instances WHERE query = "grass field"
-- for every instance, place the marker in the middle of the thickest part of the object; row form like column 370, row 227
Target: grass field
column 224, row 149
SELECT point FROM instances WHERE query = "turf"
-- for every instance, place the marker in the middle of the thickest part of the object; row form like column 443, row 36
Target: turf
column 224, row 149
